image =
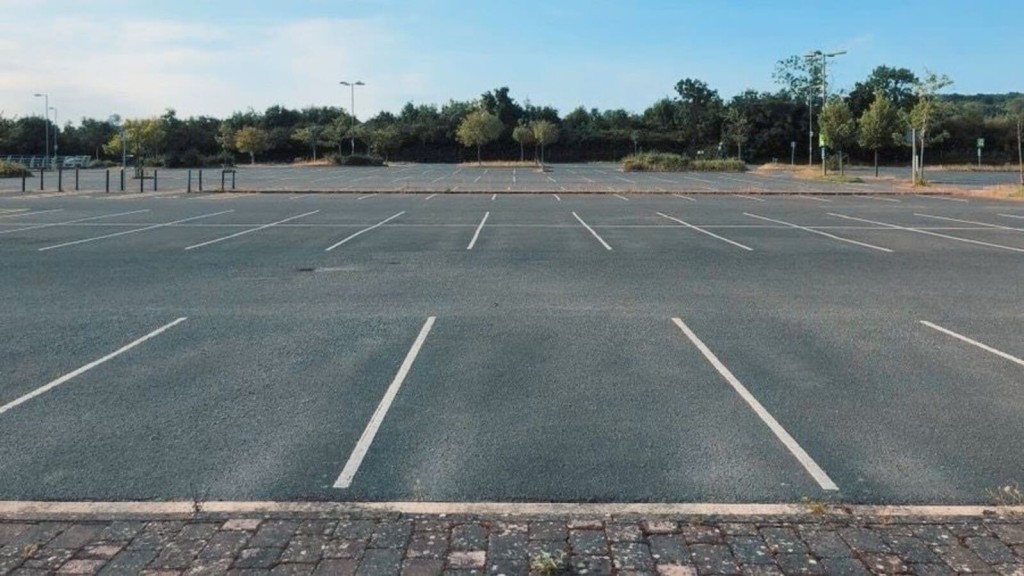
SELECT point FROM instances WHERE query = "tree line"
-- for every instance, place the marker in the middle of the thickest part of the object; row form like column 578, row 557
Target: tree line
column 865, row 122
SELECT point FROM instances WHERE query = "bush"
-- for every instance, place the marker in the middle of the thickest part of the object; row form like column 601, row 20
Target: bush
column 12, row 170
column 358, row 160
column 721, row 165
column 656, row 162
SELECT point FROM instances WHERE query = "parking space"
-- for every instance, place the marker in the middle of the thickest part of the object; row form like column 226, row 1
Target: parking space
column 648, row 347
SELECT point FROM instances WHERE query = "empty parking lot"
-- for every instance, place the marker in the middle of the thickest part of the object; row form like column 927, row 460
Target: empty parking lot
column 496, row 346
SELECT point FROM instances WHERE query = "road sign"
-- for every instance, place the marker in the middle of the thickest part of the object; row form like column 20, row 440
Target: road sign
column 981, row 143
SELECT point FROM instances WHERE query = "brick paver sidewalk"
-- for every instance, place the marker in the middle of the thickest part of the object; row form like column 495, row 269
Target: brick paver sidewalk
column 392, row 543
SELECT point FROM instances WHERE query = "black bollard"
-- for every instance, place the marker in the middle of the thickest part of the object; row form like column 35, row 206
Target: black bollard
column 233, row 179
column 142, row 181
column 200, row 179
column 221, row 180
column 108, row 180
column 60, row 179
column 154, row 179
column 122, row 179
column 188, row 188
column 23, row 174
column 76, row 178
column 41, row 184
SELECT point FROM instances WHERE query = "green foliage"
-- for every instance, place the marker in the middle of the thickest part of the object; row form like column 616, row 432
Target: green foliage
column 312, row 136
column 479, row 128
column 928, row 111
column 737, row 129
column 668, row 162
column 545, row 133
column 12, row 170
column 143, row 137
column 252, row 141
column 523, row 135
column 358, row 160
column 879, row 126
column 837, row 126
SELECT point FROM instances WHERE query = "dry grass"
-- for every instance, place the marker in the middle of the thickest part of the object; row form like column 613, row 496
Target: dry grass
column 1002, row 192
column 502, row 164
column 975, row 168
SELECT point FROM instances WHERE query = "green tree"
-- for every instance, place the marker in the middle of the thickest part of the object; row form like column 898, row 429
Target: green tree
column 737, row 130
column 1015, row 109
column 252, row 141
column 838, row 128
column 524, row 136
column 927, row 113
column 312, row 136
column 479, row 128
column 879, row 125
column 143, row 137
column 896, row 83
column 699, row 113
column 386, row 140
column 545, row 133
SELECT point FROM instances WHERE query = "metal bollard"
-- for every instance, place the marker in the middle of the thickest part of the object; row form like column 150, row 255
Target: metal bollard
column 188, row 188
column 200, row 179
column 221, row 180
column 154, row 179
column 233, row 179
column 142, row 181
column 108, row 180
column 41, row 184
column 122, row 179
column 76, row 179
column 60, row 179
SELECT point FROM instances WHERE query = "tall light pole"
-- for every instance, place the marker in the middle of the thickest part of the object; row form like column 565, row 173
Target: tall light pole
column 46, row 113
column 56, row 128
column 352, row 109
column 824, row 82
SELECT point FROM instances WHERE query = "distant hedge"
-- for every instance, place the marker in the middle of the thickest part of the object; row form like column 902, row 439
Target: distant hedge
column 667, row 162
column 358, row 160
column 12, row 170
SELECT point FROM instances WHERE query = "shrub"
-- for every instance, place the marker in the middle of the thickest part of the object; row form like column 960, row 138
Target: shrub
column 359, row 160
column 12, row 170
column 720, row 165
column 656, row 162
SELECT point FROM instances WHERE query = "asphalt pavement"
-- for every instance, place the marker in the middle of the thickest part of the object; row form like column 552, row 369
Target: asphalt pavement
column 504, row 347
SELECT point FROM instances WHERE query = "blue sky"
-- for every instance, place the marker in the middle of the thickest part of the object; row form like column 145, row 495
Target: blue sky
column 213, row 57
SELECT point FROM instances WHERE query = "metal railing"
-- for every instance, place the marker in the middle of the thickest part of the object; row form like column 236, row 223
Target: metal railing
column 37, row 161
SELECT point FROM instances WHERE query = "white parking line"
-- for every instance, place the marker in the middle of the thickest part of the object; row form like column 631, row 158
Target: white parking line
column 132, row 231
column 477, row 233
column 364, row 230
column 703, row 231
column 365, row 197
column 429, row 197
column 249, row 231
column 599, row 239
column 794, row 448
column 44, row 389
column 984, row 347
column 494, row 196
column 750, row 197
column 806, row 197
column 557, row 197
column 363, row 445
column 22, row 212
column 986, row 224
column 684, row 197
column 621, row 197
column 875, row 197
column 936, row 234
column 38, row 226
column 935, row 197
column 819, row 232
column 1012, row 216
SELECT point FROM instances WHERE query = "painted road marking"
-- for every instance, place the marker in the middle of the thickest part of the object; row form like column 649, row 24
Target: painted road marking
column 363, row 445
column 794, row 448
column 21, row 212
column 477, row 233
column 873, row 197
column 363, row 231
column 494, row 196
column 365, row 197
column 934, row 197
column 936, row 234
column 622, row 197
column 749, row 197
column 815, row 198
column 249, row 231
column 429, row 197
column 685, row 197
column 38, row 226
column 970, row 222
column 44, row 389
column 819, row 232
column 703, row 231
column 984, row 347
column 132, row 231
column 1012, row 216
column 599, row 239
column 557, row 197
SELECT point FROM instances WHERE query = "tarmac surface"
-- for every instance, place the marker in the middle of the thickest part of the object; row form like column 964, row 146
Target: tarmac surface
column 504, row 347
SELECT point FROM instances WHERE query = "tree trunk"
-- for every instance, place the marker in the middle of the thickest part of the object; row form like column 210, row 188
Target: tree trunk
column 314, row 152
column 478, row 160
column 876, row 162
column 739, row 151
column 252, row 158
column 522, row 153
column 542, row 155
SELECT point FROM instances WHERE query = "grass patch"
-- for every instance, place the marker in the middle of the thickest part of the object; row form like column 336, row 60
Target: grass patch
column 12, row 170
column 359, row 160
column 501, row 164
column 1008, row 495
column 667, row 162
column 843, row 179
column 976, row 168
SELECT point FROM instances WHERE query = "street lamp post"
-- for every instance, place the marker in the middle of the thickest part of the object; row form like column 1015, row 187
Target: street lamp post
column 352, row 109
column 824, row 83
column 56, row 129
column 46, row 110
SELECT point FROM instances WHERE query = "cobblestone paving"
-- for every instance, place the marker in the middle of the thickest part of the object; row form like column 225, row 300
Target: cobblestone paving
column 464, row 545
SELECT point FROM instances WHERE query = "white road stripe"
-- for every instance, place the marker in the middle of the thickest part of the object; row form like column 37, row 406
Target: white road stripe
column 132, row 231
column 429, row 197
column 984, row 347
column 557, row 197
column 749, row 197
column 936, row 234
column 249, row 231
column 363, row 445
column 599, row 239
column 819, row 232
column 621, row 197
column 815, row 198
column 1012, row 216
column 794, row 448
column 875, row 197
column 986, row 224
column 364, row 230
column 38, row 226
column 703, row 231
column 684, row 197
column 44, row 389
column 935, row 197
column 494, row 196
column 477, row 233
column 22, row 213
column 365, row 197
